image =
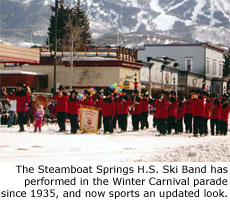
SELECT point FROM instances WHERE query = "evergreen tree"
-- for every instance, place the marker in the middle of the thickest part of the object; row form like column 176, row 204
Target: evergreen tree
column 226, row 67
column 65, row 13
column 63, row 16
column 81, row 19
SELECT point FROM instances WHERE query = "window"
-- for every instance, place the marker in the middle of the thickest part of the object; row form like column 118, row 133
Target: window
column 208, row 66
column 214, row 67
column 220, row 69
column 188, row 64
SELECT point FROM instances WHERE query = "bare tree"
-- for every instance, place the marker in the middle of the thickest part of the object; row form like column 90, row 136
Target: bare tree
column 71, row 43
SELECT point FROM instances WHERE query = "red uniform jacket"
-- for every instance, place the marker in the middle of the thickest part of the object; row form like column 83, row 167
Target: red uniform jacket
column 198, row 107
column 172, row 108
column 73, row 106
column 187, row 107
column 224, row 114
column 138, row 106
column 116, row 104
column 62, row 103
column 108, row 107
column 216, row 111
column 98, row 104
column 208, row 106
column 161, row 109
column 22, row 98
column 86, row 102
column 123, row 105
column 145, row 105
column 180, row 113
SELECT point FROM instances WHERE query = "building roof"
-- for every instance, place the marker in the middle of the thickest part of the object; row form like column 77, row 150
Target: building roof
column 19, row 72
column 202, row 44
column 14, row 54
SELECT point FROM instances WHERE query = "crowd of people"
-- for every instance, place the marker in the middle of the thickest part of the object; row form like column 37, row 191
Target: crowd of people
column 171, row 112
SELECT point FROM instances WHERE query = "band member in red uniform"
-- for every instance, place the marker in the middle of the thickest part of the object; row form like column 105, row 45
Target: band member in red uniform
column 179, row 117
column 172, row 112
column 108, row 112
column 136, row 109
column 224, row 115
column 208, row 106
column 215, row 117
column 145, row 111
column 161, row 107
column 23, row 98
column 188, row 115
column 61, row 108
column 198, row 110
column 123, row 110
column 115, row 118
column 86, row 100
column 98, row 103
column 73, row 111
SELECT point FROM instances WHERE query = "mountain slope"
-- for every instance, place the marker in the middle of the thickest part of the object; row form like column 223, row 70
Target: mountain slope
column 127, row 16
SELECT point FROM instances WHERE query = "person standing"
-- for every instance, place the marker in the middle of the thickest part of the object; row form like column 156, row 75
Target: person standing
column 123, row 111
column 73, row 111
column 98, row 102
column 224, row 115
column 172, row 112
column 208, row 106
column 136, row 109
column 145, row 112
column 61, row 108
column 198, row 110
column 179, row 117
column 12, row 110
column 23, row 98
column 39, row 116
column 188, row 115
column 215, row 117
column 162, row 116
column 108, row 112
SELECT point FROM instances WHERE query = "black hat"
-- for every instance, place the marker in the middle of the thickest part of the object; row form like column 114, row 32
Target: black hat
column 86, row 92
column 225, row 96
column 106, row 92
column 98, row 90
column 73, row 91
column 123, row 90
column 135, row 91
column 61, row 87
column 172, row 92
column 20, row 84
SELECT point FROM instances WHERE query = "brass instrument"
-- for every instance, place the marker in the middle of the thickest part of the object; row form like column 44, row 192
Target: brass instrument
column 161, row 98
column 211, row 111
column 83, row 98
column 59, row 95
column 194, row 96
column 134, row 104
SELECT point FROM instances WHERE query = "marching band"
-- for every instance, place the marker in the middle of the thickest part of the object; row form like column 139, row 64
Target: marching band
column 170, row 111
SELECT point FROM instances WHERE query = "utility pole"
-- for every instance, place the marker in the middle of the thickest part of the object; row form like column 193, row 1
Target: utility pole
column 55, row 44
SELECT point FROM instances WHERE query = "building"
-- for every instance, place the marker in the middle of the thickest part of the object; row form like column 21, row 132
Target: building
column 200, row 64
column 93, row 67
column 157, row 75
column 11, row 60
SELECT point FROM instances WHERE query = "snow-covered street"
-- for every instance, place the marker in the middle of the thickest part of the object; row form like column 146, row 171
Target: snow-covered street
column 130, row 146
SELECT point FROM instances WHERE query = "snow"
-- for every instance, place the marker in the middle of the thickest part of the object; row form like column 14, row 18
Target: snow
column 19, row 72
column 49, row 145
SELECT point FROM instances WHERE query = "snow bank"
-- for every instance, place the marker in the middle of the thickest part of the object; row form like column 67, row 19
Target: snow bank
column 131, row 146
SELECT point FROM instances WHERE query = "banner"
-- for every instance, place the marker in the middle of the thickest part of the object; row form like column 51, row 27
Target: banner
column 89, row 119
